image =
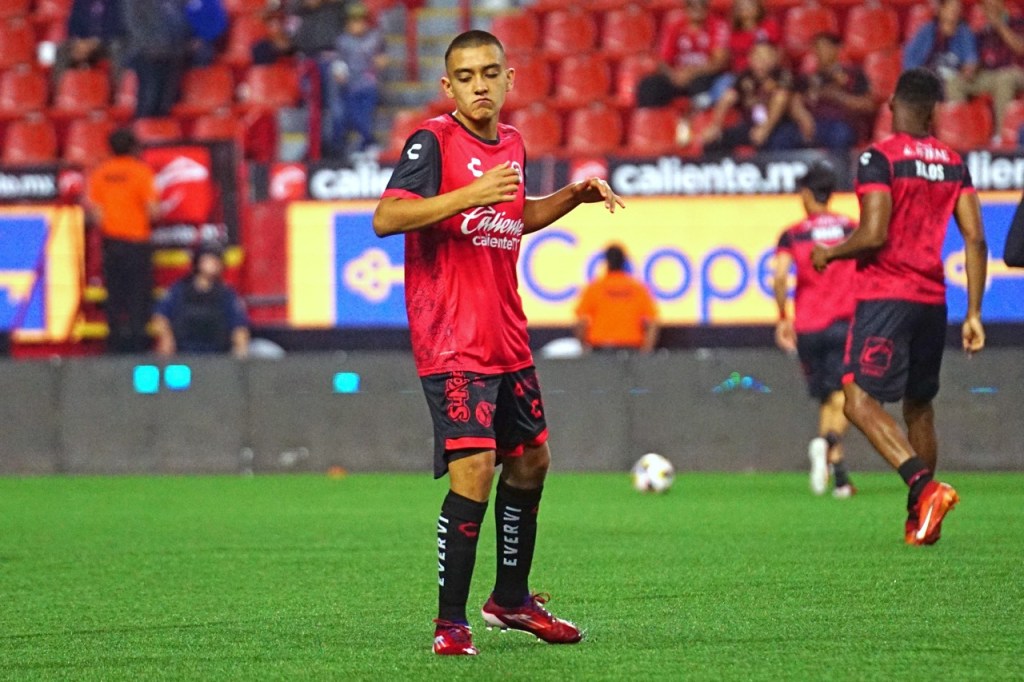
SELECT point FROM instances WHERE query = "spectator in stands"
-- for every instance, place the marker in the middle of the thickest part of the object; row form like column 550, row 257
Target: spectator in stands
column 762, row 93
column 278, row 45
column 360, row 55
column 751, row 24
column 616, row 311
column 201, row 313
column 1000, row 48
column 320, row 22
column 95, row 33
column 158, row 38
column 122, row 199
column 832, row 105
column 694, row 56
column 945, row 45
column 209, row 24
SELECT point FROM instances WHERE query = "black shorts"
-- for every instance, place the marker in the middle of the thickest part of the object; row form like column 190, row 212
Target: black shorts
column 895, row 349
column 821, row 357
column 476, row 412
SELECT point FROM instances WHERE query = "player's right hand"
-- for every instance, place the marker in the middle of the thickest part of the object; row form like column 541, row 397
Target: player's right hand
column 497, row 185
column 785, row 336
column 973, row 334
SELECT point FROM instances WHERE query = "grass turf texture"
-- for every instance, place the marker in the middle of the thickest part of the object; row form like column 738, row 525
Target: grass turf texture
column 728, row 576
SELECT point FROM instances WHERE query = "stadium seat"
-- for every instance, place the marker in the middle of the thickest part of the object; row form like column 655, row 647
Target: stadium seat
column 652, row 132
column 626, row 31
column 964, row 125
column 30, row 141
column 917, row 16
column 568, row 31
column 582, row 79
column 630, row 71
column 157, row 129
column 870, row 28
column 883, row 70
column 532, row 81
column 243, row 33
column 270, row 86
column 86, row 142
column 237, row 7
column 405, row 122
column 49, row 11
column 13, row 8
column 218, row 125
column 541, row 128
column 22, row 89
column 1013, row 121
column 18, row 45
column 81, row 91
column 205, row 89
column 595, row 130
column 517, row 31
column 126, row 96
column 804, row 22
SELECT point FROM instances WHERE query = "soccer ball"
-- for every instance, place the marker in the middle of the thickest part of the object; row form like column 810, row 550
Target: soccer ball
column 652, row 473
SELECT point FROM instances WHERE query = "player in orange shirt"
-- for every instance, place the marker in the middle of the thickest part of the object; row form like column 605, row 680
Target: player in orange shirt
column 122, row 201
column 616, row 311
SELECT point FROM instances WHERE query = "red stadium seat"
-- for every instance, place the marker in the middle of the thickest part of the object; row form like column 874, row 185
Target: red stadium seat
column 582, row 79
column 406, row 121
column 245, row 31
column 13, row 8
column 126, row 96
column 218, row 125
column 568, row 31
column 803, row 23
column 964, row 125
column 518, row 31
column 86, row 142
column 917, row 16
column 626, row 31
column 236, row 7
column 18, row 45
column 1013, row 120
column 30, row 141
column 22, row 89
column 81, row 91
column 870, row 28
column 631, row 70
column 157, row 129
column 541, row 128
column 593, row 131
column 532, row 81
column 652, row 132
column 270, row 86
column 883, row 70
column 49, row 11
column 206, row 89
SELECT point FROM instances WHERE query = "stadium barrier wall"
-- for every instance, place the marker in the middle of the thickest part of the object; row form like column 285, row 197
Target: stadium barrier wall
column 721, row 410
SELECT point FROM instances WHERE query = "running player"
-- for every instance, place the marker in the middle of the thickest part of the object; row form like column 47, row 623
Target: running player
column 823, row 306
column 909, row 185
column 458, row 196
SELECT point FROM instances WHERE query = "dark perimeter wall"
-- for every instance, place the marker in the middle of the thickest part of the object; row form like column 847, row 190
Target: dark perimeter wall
column 84, row 416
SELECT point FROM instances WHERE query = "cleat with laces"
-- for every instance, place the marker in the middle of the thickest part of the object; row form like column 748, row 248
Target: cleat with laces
column 533, row 618
column 453, row 639
column 817, row 453
column 935, row 501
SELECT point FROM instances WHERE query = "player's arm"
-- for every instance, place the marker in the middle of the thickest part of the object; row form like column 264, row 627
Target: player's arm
column 161, row 326
column 785, row 335
column 968, row 219
column 651, row 331
column 538, row 213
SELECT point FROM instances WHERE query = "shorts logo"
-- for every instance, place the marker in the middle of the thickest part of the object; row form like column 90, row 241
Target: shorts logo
column 485, row 414
column 876, row 357
column 457, row 395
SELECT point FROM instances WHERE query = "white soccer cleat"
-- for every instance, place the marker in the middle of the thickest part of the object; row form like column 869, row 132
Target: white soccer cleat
column 817, row 452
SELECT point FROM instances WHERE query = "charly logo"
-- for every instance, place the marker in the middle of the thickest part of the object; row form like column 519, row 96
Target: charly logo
column 474, row 167
column 876, row 357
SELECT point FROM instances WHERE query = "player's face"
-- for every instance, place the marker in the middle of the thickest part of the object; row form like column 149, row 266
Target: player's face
column 478, row 80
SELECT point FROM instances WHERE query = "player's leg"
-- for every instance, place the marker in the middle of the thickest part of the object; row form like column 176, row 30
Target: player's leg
column 920, row 419
column 832, row 426
column 811, row 349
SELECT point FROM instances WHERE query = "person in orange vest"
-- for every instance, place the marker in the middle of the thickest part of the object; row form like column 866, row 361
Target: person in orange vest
column 616, row 311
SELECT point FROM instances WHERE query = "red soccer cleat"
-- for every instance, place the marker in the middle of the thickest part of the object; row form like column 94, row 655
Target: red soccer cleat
column 531, row 617
column 936, row 500
column 453, row 639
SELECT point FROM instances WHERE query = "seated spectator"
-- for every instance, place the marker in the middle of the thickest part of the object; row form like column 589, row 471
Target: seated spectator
column 694, row 57
column 360, row 55
column 95, row 33
column 202, row 314
column 158, row 36
column 209, row 23
column 762, row 93
column 1000, row 47
column 751, row 25
column 277, row 46
column 945, row 45
column 616, row 311
column 832, row 105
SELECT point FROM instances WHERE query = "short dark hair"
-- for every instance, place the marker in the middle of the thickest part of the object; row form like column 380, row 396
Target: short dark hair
column 615, row 257
column 919, row 88
column 830, row 36
column 123, row 142
column 472, row 38
column 820, row 179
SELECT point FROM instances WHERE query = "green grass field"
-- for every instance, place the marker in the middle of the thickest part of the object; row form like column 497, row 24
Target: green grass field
column 729, row 576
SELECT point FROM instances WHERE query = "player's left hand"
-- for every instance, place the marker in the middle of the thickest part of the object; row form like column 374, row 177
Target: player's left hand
column 819, row 258
column 595, row 189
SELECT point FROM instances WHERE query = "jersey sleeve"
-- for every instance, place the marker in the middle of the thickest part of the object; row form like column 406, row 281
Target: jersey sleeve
column 785, row 244
column 418, row 173
column 874, row 173
column 967, row 183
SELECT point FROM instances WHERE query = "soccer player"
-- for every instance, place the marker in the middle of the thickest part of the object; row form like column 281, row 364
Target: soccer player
column 458, row 196
column 823, row 307
column 909, row 185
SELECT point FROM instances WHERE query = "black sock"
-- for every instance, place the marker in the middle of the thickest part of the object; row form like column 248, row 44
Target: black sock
column 839, row 471
column 458, row 528
column 915, row 474
column 515, row 516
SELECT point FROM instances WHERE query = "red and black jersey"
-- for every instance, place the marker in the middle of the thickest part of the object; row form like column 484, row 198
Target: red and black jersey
column 925, row 178
column 821, row 298
column 461, row 286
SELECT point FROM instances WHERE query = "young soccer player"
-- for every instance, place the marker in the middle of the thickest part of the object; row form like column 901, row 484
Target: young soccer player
column 909, row 185
column 458, row 196
column 823, row 307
